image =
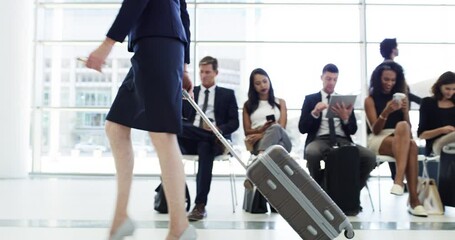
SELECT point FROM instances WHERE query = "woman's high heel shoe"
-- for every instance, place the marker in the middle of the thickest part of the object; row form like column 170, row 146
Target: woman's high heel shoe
column 126, row 229
column 189, row 234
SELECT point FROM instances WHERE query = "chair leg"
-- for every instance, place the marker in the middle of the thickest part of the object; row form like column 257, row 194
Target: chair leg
column 369, row 195
column 379, row 187
column 233, row 191
column 233, row 179
column 235, row 188
column 194, row 169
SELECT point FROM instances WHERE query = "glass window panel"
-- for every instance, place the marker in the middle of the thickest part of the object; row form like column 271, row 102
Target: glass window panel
column 61, row 130
column 64, row 77
column 80, row 1
column 278, row 23
column 279, row 1
column 294, row 69
column 410, row 23
column 75, row 142
column 93, row 97
column 407, row 2
column 74, row 23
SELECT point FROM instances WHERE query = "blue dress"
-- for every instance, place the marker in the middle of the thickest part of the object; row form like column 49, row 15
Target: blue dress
column 150, row 97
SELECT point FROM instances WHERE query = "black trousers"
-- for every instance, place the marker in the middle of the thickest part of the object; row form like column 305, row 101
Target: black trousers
column 197, row 141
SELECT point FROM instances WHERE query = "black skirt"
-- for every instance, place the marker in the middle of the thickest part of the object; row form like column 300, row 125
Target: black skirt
column 150, row 97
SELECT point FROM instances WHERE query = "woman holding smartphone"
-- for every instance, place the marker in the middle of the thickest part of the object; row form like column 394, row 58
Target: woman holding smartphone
column 264, row 123
column 264, row 115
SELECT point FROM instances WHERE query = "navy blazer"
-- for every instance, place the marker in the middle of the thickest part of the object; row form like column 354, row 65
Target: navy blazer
column 226, row 110
column 310, row 125
column 152, row 18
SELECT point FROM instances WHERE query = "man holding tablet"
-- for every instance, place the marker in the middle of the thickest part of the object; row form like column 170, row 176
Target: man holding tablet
column 314, row 122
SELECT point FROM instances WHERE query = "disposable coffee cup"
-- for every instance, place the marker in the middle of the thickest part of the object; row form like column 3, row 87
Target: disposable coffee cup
column 398, row 96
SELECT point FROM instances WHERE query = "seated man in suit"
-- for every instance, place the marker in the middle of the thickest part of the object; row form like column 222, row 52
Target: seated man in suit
column 316, row 125
column 220, row 106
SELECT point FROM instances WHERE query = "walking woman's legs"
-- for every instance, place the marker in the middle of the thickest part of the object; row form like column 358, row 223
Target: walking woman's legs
column 173, row 178
column 411, row 174
column 401, row 143
column 122, row 151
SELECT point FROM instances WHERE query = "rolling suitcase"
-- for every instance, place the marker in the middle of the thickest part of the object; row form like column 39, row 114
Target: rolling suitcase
column 291, row 191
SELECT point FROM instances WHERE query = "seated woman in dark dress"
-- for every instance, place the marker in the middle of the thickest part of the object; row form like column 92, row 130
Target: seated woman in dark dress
column 390, row 130
column 437, row 115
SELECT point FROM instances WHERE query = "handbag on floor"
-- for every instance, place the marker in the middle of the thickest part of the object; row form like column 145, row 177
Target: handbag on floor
column 254, row 202
column 428, row 194
column 160, row 199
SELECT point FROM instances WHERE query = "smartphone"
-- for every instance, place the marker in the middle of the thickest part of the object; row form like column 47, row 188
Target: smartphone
column 270, row 118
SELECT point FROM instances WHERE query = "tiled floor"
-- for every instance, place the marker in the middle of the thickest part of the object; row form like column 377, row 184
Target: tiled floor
column 70, row 208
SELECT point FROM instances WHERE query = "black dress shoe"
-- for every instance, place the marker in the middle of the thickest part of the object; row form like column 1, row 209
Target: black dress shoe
column 272, row 209
column 198, row 213
column 353, row 213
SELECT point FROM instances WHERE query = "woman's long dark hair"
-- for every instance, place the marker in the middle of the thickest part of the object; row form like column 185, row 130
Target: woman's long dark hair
column 376, row 83
column 253, row 97
column 446, row 78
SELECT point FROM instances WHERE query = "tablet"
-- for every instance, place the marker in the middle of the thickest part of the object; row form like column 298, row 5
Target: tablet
column 334, row 99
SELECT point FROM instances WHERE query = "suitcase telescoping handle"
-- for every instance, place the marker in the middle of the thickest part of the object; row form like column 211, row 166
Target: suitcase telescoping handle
column 223, row 140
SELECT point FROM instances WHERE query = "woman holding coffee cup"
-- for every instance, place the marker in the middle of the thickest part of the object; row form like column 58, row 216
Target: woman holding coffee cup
column 387, row 112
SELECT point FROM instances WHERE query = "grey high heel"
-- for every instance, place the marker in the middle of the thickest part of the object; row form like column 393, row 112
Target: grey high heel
column 126, row 229
column 189, row 234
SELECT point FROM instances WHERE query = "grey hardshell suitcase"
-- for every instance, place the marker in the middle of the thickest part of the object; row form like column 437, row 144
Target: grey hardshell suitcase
column 290, row 190
column 297, row 197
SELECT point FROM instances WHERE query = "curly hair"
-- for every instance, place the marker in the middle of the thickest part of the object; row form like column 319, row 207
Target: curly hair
column 376, row 83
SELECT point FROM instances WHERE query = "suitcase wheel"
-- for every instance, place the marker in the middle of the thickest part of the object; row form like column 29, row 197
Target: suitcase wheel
column 349, row 234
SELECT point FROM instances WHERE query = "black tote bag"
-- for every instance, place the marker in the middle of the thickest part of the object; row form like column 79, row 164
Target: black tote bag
column 160, row 199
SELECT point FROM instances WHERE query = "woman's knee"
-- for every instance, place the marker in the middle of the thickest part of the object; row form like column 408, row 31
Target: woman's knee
column 274, row 128
column 402, row 129
column 115, row 130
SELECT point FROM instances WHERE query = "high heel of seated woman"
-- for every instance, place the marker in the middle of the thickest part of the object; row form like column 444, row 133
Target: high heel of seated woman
column 124, row 230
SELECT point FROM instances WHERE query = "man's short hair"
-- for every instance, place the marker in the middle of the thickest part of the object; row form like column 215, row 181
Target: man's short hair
column 209, row 60
column 386, row 47
column 330, row 68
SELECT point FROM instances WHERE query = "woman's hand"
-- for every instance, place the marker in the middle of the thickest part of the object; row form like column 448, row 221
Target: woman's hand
column 392, row 106
column 97, row 58
column 405, row 104
column 253, row 138
column 265, row 126
column 187, row 84
column 447, row 129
